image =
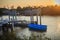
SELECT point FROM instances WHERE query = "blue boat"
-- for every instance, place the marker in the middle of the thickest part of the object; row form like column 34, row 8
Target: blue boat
column 37, row 27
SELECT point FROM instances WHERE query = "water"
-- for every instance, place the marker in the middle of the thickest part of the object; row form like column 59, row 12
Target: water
column 52, row 22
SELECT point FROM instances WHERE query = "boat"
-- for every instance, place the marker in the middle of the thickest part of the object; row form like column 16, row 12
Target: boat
column 36, row 27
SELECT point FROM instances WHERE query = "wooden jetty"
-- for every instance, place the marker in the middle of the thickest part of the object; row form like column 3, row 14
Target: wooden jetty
column 11, row 23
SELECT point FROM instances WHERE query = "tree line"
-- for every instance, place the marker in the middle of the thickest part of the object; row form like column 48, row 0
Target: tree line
column 48, row 10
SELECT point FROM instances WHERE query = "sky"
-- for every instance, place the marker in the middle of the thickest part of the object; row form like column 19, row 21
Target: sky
column 24, row 3
column 57, row 2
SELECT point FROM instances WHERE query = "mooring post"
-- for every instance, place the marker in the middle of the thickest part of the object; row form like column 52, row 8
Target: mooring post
column 15, row 16
column 40, row 16
column 31, row 16
column 37, row 18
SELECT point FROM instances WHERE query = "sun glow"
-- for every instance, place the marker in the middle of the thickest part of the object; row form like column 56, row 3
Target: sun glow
column 24, row 3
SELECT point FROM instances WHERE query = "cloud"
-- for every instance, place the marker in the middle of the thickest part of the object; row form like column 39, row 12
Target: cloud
column 57, row 2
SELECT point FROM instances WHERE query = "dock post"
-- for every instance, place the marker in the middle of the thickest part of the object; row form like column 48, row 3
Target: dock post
column 15, row 16
column 1, row 18
column 40, row 16
column 13, row 23
column 37, row 18
column 31, row 17
column 12, row 28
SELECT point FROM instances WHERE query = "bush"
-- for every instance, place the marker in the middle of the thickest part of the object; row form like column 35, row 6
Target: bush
column 9, row 36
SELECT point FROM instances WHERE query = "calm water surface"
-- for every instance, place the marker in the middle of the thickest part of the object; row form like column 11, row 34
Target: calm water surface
column 52, row 22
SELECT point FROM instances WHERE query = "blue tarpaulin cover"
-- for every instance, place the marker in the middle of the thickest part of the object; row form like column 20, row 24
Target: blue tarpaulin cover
column 37, row 27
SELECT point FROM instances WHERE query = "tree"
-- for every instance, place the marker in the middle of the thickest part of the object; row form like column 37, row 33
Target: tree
column 1, row 11
column 18, row 9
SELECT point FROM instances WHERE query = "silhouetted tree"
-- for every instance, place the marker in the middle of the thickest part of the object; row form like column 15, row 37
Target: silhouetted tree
column 18, row 9
column 12, row 7
column 1, row 11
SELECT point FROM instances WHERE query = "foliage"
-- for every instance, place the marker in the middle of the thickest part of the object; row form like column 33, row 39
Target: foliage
column 9, row 36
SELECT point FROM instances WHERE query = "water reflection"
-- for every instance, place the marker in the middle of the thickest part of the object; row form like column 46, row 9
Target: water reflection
column 52, row 22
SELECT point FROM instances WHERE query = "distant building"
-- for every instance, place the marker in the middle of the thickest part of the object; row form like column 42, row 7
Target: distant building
column 31, row 11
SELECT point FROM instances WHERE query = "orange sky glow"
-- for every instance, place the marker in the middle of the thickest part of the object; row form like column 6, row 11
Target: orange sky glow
column 24, row 3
